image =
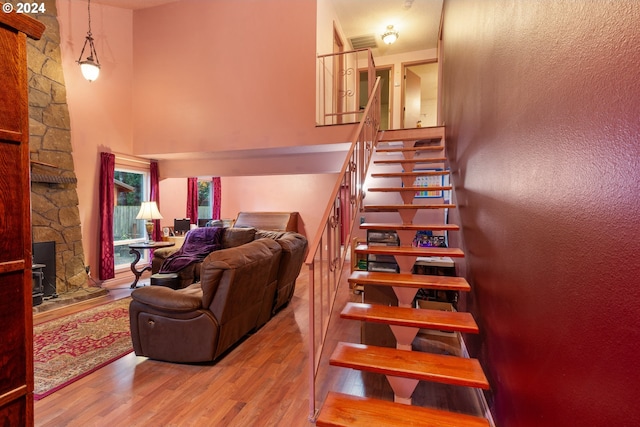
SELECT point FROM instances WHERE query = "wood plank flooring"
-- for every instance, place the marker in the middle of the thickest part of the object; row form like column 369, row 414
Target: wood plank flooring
column 263, row 381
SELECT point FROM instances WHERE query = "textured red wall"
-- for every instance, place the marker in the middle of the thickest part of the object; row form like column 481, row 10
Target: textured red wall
column 542, row 108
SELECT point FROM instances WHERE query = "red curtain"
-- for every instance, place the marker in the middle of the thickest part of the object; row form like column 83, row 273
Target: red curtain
column 107, row 171
column 217, row 197
column 192, row 200
column 154, row 196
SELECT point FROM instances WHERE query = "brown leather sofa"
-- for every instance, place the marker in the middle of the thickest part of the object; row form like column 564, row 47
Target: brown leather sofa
column 231, row 238
column 240, row 289
column 294, row 251
column 294, row 248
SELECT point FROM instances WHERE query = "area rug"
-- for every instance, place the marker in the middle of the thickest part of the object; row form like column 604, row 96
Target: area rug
column 71, row 347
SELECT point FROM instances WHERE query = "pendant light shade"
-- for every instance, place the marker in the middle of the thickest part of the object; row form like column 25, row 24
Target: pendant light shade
column 90, row 70
column 90, row 66
column 390, row 36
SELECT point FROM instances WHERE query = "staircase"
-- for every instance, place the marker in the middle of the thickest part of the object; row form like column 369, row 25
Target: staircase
column 403, row 367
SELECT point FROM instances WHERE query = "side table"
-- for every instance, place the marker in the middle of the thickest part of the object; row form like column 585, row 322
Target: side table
column 135, row 249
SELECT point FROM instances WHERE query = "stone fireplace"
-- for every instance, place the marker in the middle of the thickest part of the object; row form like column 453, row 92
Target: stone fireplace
column 54, row 199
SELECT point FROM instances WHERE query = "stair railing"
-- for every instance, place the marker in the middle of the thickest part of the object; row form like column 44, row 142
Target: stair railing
column 338, row 85
column 328, row 250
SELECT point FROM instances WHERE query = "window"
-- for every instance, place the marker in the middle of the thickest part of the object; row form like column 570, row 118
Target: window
column 130, row 187
column 205, row 208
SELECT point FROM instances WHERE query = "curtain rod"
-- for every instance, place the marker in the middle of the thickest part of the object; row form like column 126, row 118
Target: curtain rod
column 131, row 159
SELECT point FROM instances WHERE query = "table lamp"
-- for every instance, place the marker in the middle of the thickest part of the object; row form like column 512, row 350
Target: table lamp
column 149, row 212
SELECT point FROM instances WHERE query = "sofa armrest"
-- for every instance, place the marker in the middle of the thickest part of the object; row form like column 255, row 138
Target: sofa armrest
column 163, row 253
column 276, row 221
column 167, row 299
column 159, row 255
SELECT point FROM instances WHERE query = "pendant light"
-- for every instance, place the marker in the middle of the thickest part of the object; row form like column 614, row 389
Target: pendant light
column 390, row 36
column 90, row 67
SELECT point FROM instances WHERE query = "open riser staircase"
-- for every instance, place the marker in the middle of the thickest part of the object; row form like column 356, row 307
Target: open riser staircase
column 415, row 151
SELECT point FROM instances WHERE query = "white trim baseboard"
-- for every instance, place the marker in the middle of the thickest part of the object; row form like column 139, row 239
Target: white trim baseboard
column 479, row 394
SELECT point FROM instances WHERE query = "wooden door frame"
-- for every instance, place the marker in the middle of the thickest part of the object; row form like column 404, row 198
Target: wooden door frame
column 403, row 67
column 389, row 67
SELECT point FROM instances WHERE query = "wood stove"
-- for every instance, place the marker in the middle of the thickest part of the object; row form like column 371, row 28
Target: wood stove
column 44, row 256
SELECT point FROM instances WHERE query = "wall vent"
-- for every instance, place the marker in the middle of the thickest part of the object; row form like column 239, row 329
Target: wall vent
column 363, row 42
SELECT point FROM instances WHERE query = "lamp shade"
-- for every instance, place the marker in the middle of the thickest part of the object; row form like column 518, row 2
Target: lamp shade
column 149, row 210
column 390, row 36
column 90, row 70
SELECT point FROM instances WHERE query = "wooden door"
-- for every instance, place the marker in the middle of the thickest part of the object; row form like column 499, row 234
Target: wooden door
column 16, row 318
column 412, row 99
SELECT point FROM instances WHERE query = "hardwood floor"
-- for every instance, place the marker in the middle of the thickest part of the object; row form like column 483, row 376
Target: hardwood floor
column 261, row 382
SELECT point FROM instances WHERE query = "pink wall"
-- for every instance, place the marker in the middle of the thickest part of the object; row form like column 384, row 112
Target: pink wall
column 213, row 76
column 201, row 78
column 173, row 200
column 307, row 194
column 541, row 106
column 101, row 113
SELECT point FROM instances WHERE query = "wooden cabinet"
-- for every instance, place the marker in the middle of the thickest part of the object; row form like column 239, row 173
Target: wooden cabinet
column 16, row 318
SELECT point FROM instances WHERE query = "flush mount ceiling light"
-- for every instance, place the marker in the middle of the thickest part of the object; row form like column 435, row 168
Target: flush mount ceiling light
column 390, row 36
column 90, row 67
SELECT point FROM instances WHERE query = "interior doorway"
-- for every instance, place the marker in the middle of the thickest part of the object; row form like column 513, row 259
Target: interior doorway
column 420, row 94
column 385, row 94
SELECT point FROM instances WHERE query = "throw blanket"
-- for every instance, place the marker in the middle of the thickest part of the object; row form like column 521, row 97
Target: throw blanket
column 198, row 243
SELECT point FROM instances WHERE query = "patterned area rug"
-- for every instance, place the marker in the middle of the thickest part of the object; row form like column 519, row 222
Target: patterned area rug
column 69, row 348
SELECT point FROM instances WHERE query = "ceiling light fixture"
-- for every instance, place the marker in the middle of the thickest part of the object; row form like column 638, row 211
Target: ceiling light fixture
column 90, row 68
column 390, row 36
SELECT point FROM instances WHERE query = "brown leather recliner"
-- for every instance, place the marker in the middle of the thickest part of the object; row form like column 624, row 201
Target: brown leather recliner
column 231, row 237
column 200, row 322
column 294, row 251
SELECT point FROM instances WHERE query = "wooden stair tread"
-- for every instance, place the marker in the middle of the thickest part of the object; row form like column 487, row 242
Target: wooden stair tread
column 410, row 174
column 411, row 134
column 416, row 227
column 342, row 410
column 410, row 364
column 409, row 251
column 408, row 149
column 409, row 189
column 411, row 317
column 414, row 160
column 392, row 208
column 420, row 281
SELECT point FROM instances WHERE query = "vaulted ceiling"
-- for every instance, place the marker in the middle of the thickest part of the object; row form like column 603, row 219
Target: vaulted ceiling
column 417, row 21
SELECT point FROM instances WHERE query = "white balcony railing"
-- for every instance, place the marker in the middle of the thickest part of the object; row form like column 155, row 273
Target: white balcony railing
column 340, row 87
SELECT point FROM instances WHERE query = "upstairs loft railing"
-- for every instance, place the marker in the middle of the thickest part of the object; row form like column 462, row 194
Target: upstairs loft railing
column 329, row 249
column 339, row 86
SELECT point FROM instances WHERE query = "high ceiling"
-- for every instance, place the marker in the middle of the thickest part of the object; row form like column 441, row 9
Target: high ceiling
column 133, row 4
column 417, row 21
